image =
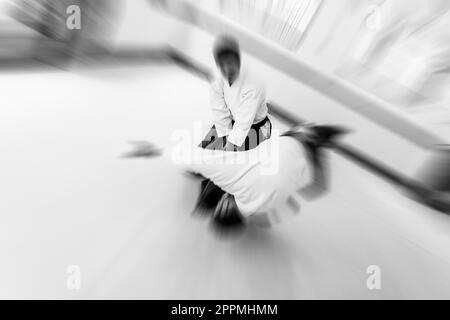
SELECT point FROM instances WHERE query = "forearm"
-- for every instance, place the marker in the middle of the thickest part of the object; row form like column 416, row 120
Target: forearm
column 222, row 121
column 245, row 117
column 220, row 111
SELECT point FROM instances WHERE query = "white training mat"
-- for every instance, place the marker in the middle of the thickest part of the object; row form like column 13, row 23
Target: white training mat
column 68, row 200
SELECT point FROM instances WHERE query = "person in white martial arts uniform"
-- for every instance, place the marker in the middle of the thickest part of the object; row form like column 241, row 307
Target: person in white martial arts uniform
column 258, row 181
column 238, row 103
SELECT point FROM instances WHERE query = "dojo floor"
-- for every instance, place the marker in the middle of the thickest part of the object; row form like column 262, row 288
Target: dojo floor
column 67, row 199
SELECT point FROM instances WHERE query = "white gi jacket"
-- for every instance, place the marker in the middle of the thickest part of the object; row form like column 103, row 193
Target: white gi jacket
column 261, row 179
column 244, row 102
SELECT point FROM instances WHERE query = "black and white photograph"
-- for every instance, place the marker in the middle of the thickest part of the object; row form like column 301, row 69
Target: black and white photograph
column 224, row 156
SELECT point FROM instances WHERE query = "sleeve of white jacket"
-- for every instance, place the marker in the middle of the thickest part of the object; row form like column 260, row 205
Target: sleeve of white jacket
column 251, row 101
column 221, row 113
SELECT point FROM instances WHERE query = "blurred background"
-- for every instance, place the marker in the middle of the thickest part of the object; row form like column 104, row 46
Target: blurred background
column 386, row 48
column 139, row 69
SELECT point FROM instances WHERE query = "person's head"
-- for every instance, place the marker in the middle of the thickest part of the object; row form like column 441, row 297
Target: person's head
column 227, row 56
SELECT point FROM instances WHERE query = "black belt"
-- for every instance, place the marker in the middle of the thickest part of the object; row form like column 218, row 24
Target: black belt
column 261, row 123
column 257, row 125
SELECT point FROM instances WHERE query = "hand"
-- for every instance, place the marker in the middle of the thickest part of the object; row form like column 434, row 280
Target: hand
column 143, row 149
